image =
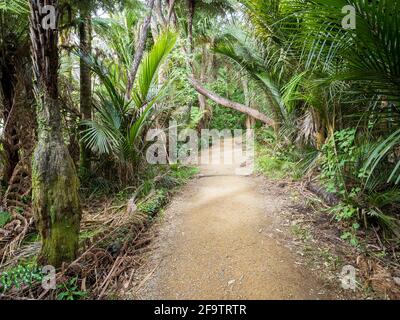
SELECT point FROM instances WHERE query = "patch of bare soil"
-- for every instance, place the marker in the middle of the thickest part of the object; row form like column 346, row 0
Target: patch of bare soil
column 226, row 237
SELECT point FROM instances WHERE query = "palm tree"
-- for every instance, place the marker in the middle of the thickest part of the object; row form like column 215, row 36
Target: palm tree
column 239, row 47
column 139, row 50
column 56, row 203
column 214, row 9
column 18, row 119
column 84, row 24
column 13, row 48
column 85, row 45
column 335, row 79
column 119, row 123
column 356, row 69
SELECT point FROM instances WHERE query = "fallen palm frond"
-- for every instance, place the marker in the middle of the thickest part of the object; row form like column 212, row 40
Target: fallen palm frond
column 12, row 235
column 114, row 238
column 112, row 241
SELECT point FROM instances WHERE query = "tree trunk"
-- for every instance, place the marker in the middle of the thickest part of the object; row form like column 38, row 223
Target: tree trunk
column 231, row 104
column 55, row 184
column 212, row 66
column 201, row 98
column 139, row 50
column 171, row 11
column 250, row 121
column 191, row 5
column 85, row 40
column 275, row 113
column 159, row 13
column 10, row 139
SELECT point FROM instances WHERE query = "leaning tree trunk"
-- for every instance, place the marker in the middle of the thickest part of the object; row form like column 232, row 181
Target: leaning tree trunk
column 85, row 40
column 56, row 204
column 230, row 104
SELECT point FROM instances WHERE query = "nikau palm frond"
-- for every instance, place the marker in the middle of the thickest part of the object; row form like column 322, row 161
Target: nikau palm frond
column 119, row 123
column 150, row 64
column 238, row 46
column 14, row 6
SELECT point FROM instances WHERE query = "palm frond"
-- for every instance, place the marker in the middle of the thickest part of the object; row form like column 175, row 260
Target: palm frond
column 147, row 73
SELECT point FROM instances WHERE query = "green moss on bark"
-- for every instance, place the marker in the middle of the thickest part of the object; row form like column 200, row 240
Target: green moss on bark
column 56, row 202
column 55, row 183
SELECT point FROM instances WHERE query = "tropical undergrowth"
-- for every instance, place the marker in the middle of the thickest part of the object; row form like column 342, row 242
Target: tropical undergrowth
column 123, row 217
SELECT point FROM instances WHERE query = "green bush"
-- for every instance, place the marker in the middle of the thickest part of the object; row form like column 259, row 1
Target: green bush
column 19, row 276
column 362, row 201
column 5, row 217
column 224, row 118
column 338, row 160
column 154, row 204
column 277, row 164
column 69, row 290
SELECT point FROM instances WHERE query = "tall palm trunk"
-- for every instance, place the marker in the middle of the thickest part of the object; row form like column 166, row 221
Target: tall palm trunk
column 8, row 83
column 202, row 99
column 56, row 204
column 250, row 121
column 191, row 6
column 10, row 138
column 139, row 50
column 85, row 40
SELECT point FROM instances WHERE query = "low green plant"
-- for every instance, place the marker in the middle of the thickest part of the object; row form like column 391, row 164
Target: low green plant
column 338, row 168
column 19, row 276
column 176, row 175
column 183, row 173
column 277, row 164
column 351, row 235
column 364, row 199
column 154, row 204
column 343, row 212
column 338, row 157
column 5, row 217
column 70, row 290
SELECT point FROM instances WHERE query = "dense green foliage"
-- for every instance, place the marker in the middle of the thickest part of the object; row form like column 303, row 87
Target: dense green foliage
column 339, row 91
column 333, row 94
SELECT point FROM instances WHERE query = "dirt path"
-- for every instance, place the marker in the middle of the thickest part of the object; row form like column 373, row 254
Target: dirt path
column 215, row 242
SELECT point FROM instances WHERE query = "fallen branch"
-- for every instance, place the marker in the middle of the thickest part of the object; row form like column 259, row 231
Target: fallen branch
column 328, row 197
column 230, row 104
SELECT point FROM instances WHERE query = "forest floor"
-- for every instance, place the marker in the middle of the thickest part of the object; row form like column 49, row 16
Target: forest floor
column 222, row 236
column 226, row 236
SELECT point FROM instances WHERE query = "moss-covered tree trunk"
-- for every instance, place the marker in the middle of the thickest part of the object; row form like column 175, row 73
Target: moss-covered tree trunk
column 55, row 184
column 85, row 39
